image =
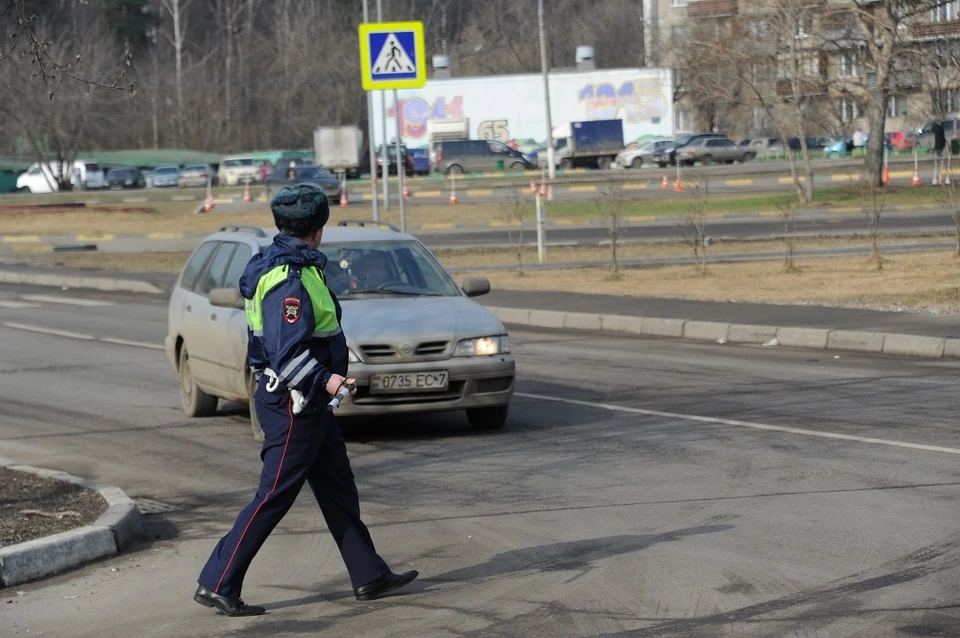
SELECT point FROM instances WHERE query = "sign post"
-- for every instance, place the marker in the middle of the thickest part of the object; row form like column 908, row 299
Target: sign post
column 393, row 56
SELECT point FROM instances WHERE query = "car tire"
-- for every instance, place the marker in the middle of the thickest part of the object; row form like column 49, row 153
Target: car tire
column 454, row 169
column 195, row 402
column 518, row 166
column 604, row 163
column 747, row 157
column 566, row 165
column 255, row 426
column 706, row 160
column 662, row 164
column 493, row 418
column 636, row 163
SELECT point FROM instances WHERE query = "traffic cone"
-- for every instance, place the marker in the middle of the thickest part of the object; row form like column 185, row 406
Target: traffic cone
column 916, row 177
column 666, row 182
column 676, row 185
column 533, row 187
column 247, row 199
column 343, row 197
column 886, row 174
column 208, row 203
column 453, row 191
column 406, row 191
column 543, row 189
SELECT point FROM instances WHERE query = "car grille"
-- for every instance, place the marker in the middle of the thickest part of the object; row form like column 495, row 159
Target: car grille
column 431, row 348
column 383, row 351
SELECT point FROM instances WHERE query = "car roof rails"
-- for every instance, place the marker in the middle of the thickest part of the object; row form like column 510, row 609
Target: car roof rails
column 243, row 228
column 367, row 222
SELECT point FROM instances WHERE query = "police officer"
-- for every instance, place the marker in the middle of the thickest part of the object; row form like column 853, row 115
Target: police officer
column 298, row 350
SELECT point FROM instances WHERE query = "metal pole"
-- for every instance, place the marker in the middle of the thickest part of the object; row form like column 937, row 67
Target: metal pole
column 383, row 126
column 371, row 145
column 546, row 91
column 541, row 220
column 401, row 166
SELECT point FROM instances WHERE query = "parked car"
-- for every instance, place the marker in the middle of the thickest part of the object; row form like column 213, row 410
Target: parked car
column 236, row 170
column 41, row 178
column 125, row 177
column 758, row 143
column 642, row 153
column 668, row 156
column 708, row 150
column 197, row 175
column 900, row 140
column 417, row 342
column 304, row 175
column 391, row 160
column 475, row 156
column 166, row 177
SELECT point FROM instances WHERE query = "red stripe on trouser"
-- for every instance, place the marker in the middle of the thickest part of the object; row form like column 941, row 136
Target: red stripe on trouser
column 265, row 498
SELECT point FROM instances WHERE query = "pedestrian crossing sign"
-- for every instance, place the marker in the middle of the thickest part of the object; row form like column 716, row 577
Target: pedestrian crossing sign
column 392, row 55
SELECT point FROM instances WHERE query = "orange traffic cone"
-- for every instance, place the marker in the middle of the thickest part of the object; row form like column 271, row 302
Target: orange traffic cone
column 533, row 187
column 247, row 199
column 343, row 197
column 453, row 191
column 916, row 177
column 208, row 203
column 676, row 185
column 543, row 189
column 406, row 191
column 886, row 174
column 666, row 182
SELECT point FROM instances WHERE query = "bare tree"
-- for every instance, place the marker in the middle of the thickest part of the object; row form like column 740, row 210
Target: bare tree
column 610, row 206
column 177, row 34
column 786, row 207
column 514, row 214
column 872, row 199
column 948, row 196
column 693, row 225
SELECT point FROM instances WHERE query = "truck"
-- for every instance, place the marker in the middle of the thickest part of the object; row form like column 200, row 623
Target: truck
column 588, row 144
column 339, row 148
column 444, row 130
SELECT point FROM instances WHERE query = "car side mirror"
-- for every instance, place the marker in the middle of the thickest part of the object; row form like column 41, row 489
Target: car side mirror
column 476, row 286
column 226, row 298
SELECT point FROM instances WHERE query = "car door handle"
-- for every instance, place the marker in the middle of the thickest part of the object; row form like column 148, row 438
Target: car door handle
column 189, row 308
column 213, row 317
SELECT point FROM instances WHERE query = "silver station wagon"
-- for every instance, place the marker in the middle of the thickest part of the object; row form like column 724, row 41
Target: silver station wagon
column 418, row 343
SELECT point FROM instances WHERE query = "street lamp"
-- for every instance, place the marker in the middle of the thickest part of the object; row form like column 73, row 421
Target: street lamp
column 546, row 91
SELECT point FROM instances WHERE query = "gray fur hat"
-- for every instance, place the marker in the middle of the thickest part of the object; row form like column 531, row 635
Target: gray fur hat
column 300, row 210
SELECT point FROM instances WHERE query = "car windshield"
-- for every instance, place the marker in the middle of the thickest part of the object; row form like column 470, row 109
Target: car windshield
column 165, row 170
column 238, row 162
column 385, row 268
column 194, row 169
column 92, row 168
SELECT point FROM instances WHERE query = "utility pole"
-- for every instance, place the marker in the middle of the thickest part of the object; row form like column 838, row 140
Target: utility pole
column 383, row 126
column 370, row 143
column 544, row 69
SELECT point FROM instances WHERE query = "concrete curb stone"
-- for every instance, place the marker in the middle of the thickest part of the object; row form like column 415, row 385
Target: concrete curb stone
column 74, row 281
column 114, row 530
column 786, row 336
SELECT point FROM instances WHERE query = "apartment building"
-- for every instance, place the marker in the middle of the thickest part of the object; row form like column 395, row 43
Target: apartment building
column 784, row 49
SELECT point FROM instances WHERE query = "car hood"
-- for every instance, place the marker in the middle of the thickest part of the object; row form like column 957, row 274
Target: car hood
column 413, row 320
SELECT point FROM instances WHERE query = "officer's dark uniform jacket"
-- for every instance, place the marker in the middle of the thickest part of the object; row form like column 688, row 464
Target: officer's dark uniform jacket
column 301, row 341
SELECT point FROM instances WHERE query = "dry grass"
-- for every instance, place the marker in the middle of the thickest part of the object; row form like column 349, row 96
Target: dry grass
column 921, row 282
column 120, row 262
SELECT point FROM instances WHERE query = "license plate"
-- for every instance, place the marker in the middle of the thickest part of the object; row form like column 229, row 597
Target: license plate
column 428, row 381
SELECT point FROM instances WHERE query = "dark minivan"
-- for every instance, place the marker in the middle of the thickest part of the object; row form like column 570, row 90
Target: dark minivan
column 477, row 156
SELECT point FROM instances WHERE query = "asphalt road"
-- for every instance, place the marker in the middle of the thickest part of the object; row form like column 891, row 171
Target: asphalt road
column 640, row 488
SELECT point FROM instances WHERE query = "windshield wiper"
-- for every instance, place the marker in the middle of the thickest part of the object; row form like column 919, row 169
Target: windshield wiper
column 394, row 291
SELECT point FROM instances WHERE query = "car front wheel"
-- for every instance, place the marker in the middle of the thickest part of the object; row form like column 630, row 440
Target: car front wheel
column 195, row 401
column 487, row 418
column 636, row 163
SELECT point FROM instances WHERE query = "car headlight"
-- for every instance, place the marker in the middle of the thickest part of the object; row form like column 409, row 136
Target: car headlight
column 482, row 346
column 352, row 356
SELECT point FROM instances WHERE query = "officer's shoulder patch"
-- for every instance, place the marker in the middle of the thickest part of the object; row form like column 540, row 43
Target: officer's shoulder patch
column 292, row 309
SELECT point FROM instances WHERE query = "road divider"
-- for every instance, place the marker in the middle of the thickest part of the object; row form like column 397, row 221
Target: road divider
column 826, row 339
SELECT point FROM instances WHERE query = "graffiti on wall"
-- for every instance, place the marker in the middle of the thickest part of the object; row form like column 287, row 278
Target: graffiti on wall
column 635, row 102
column 415, row 113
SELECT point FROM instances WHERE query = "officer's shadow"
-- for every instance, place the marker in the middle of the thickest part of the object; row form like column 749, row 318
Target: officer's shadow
column 573, row 556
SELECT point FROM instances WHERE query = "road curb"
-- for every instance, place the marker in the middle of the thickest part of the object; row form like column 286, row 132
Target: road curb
column 887, row 343
column 78, row 281
column 116, row 529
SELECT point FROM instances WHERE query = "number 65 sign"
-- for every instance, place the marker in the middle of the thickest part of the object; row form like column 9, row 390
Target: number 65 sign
column 493, row 130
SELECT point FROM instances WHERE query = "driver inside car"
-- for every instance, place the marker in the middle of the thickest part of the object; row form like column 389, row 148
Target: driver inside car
column 372, row 271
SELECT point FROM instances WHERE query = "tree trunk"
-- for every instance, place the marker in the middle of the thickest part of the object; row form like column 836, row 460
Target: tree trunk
column 641, row 34
column 876, row 121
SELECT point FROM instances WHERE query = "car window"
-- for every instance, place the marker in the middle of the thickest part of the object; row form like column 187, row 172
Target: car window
column 238, row 264
column 165, row 170
column 238, row 162
column 405, row 267
column 194, row 267
column 498, row 147
column 479, row 147
column 217, row 271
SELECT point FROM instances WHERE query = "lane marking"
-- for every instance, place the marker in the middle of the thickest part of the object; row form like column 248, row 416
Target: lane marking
column 70, row 301
column 16, row 305
column 745, row 424
column 76, row 335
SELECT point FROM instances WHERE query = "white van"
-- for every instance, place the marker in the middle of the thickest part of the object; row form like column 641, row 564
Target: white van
column 40, row 178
